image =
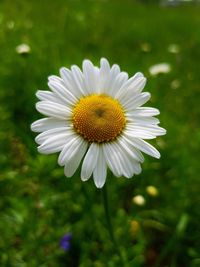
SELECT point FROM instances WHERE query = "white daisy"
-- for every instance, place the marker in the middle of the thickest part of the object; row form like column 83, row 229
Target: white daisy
column 95, row 115
column 23, row 49
column 159, row 68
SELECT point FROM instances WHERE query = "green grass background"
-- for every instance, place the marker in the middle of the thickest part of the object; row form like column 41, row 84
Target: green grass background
column 38, row 205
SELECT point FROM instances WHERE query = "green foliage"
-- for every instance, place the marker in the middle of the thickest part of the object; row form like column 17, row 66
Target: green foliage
column 38, row 204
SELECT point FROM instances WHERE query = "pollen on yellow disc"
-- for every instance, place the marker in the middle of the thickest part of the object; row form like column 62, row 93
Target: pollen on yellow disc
column 98, row 118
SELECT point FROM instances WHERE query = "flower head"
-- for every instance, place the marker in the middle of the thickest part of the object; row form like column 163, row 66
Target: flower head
column 95, row 115
column 159, row 68
column 152, row 191
column 65, row 241
column 139, row 200
column 23, row 49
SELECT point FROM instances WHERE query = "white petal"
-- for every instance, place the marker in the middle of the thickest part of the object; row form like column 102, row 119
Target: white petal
column 54, row 78
column 70, row 149
column 72, row 165
column 90, row 77
column 117, row 83
column 145, row 147
column 53, row 144
column 144, row 112
column 112, row 159
column 119, row 161
column 67, row 77
column 139, row 133
column 128, row 158
column 130, row 165
column 126, row 162
column 105, row 66
column 47, row 124
column 52, row 109
column 136, row 167
column 48, row 96
column 62, row 83
column 126, row 146
column 78, row 79
column 42, row 137
column 146, row 129
column 139, row 120
column 104, row 73
column 98, row 89
column 89, row 162
column 132, row 86
column 137, row 152
column 138, row 85
column 135, row 101
column 100, row 170
column 115, row 70
column 62, row 93
column 64, row 90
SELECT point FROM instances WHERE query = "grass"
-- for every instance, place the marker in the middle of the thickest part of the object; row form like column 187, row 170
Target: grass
column 38, row 204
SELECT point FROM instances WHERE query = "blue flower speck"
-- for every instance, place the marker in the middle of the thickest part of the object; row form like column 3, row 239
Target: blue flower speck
column 65, row 241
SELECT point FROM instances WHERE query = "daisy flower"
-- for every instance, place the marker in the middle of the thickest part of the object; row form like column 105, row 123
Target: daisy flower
column 23, row 49
column 95, row 118
column 159, row 68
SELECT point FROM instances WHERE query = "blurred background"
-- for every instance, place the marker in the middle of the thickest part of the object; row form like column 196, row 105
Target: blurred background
column 47, row 220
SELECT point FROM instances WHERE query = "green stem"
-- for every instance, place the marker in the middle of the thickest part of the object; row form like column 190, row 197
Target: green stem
column 110, row 229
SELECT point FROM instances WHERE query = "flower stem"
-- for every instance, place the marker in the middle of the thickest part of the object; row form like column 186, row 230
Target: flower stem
column 109, row 225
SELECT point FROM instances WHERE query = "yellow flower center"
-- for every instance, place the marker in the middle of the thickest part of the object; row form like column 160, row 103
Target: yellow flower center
column 98, row 118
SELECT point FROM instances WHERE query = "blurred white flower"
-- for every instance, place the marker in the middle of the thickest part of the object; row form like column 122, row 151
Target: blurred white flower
column 23, row 49
column 10, row 24
column 175, row 84
column 139, row 200
column 145, row 47
column 96, row 114
column 173, row 48
column 159, row 68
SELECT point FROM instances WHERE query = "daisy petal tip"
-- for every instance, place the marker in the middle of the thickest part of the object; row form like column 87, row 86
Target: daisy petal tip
column 157, row 155
column 40, row 148
column 32, row 126
column 84, row 178
column 157, row 112
column 62, row 71
column 99, row 183
column 103, row 60
column 37, row 105
column 67, row 175
column 99, row 186
column 164, row 132
column 38, row 93
column 87, row 62
column 148, row 94
column 51, row 78
column 43, row 149
column 50, row 83
column 139, row 74
column 61, row 163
